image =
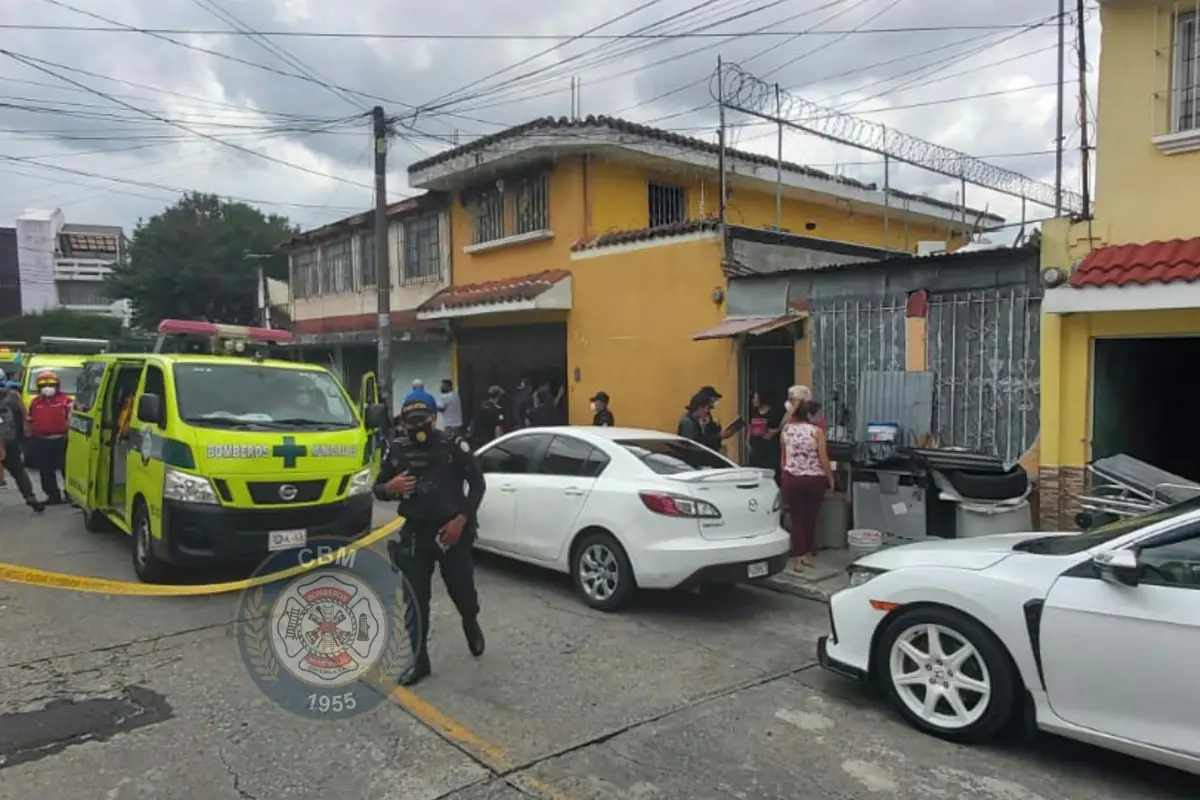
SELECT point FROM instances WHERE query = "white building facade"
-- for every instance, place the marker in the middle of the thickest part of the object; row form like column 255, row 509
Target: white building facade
column 63, row 265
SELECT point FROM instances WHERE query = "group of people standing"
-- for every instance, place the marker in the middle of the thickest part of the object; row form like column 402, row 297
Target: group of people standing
column 790, row 440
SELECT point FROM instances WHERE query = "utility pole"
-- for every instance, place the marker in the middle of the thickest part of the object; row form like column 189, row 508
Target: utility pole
column 383, row 267
column 721, row 142
column 1062, row 108
column 1085, row 156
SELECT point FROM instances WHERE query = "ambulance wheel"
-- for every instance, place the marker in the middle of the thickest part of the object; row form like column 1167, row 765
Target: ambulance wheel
column 149, row 567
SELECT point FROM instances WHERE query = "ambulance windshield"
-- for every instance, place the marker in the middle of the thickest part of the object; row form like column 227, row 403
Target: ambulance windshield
column 251, row 395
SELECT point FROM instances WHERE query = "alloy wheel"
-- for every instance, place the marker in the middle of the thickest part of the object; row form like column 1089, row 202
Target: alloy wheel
column 599, row 572
column 940, row 676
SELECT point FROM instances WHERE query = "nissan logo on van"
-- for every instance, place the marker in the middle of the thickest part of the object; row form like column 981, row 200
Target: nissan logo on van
column 287, row 492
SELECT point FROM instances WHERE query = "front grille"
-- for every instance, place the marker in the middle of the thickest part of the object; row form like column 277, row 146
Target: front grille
column 269, row 493
column 284, row 519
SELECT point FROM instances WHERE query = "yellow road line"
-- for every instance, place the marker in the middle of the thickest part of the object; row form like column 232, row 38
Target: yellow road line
column 29, row 576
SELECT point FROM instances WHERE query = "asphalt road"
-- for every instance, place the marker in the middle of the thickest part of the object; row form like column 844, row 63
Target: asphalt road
column 685, row 697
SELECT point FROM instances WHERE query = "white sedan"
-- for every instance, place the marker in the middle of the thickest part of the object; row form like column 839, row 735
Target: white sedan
column 621, row 508
column 1093, row 636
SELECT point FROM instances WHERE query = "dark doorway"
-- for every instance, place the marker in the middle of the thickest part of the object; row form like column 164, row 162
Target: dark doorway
column 501, row 356
column 768, row 367
column 1142, row 402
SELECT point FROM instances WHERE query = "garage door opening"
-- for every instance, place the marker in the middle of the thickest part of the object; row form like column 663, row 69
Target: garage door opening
column 1143, row 403
column 501, row 356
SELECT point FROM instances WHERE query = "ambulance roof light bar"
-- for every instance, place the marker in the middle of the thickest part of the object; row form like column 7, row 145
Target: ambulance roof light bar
column 213, row 330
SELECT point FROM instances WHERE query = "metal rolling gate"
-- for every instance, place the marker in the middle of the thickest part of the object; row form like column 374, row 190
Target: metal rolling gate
column 984, row 348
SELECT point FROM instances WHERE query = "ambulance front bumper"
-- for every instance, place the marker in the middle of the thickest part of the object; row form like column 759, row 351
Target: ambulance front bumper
column 195, row 533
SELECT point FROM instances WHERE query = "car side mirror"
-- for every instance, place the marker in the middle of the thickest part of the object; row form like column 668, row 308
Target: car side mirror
column 149, row 409
column 1118, row 567
column 377, row 417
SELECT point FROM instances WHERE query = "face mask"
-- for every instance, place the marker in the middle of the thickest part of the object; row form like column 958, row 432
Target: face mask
column 789, row 406
column 421, row 434
column 595, row 407
column 716, row 403
column 47, row 391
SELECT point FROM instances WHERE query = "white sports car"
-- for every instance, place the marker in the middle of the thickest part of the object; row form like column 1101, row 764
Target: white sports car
column 1093, row 636
column 619, row 508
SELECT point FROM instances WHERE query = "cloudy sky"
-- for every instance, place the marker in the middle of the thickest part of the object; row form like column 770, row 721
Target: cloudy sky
column 111, row 125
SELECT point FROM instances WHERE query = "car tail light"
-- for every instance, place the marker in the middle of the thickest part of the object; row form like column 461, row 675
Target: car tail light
column 678, row 505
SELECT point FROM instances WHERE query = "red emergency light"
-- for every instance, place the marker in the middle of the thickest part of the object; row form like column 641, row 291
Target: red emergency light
column 215, row 331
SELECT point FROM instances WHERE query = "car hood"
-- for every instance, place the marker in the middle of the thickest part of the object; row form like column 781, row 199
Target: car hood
column 978, row 552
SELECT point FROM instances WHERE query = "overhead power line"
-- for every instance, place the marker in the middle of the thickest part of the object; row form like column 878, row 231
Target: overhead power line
column 738, row 90
column 187, row 129
column 503, row 37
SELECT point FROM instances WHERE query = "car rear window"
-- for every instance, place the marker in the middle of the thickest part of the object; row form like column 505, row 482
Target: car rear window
column 670, row 456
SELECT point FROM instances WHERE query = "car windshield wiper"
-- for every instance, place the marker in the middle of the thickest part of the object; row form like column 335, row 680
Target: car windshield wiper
column 305, row 422
column 220, row 422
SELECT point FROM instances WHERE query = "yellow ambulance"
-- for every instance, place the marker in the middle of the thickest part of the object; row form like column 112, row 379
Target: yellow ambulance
column 205, row 458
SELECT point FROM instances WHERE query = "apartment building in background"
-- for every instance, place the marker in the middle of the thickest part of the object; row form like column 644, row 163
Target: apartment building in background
column 63, row 265
column 10, row 274
column 1121, row 324
column 334, row 293
column 590, row 254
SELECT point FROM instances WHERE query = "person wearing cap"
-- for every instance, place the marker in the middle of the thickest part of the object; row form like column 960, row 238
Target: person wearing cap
column 425, row 472
column 489, row 421
column 47, row 428
column 712, row 432
column 602, row 417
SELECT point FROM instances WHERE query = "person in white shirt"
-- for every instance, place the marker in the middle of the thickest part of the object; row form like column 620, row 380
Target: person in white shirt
column 451, row 408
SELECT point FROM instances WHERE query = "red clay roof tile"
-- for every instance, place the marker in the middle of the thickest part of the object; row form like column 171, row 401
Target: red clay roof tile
column 1139, row 264
column 509, row 290
column 610, row 238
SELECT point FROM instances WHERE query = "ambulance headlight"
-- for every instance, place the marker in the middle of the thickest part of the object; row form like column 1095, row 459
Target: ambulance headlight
column 361, row 483
column 188, row 488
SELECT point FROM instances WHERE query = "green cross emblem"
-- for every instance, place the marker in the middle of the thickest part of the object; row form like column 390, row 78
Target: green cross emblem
column 289, row 451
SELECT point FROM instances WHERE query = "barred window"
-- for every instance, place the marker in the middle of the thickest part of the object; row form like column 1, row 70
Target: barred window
column 1185, row 84
column 668, row 204
column 304, row 273
column 367, row 268
column 530, row 210
column 422, row 250
column 337, row 269
column 487, row 212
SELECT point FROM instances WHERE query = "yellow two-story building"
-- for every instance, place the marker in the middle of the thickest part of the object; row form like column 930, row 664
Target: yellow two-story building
column 1121, row 324
column 588, row 254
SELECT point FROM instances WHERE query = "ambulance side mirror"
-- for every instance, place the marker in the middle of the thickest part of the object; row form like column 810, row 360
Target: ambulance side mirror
column 377, row 417
column 150, row 409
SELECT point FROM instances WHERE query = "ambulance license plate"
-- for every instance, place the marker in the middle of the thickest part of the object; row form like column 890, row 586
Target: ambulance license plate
column 287, row 540
column 757, row 570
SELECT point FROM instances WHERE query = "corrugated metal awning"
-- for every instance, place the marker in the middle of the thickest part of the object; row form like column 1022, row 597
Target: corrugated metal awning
column 749, row 326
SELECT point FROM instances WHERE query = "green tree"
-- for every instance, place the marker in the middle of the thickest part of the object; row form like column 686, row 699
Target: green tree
column 198, row 259
column 30, row 328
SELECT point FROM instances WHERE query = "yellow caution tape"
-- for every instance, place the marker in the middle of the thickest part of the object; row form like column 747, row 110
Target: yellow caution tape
column 81, row 583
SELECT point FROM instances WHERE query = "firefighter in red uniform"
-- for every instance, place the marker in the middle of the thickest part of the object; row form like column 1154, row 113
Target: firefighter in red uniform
column 47, row 420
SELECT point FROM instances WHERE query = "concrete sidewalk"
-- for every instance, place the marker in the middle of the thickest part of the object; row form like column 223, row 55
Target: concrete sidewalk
column 826, row 576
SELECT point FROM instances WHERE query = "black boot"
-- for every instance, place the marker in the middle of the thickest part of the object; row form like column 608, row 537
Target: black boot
column 419, row 671
column 37, row 505
column 474, row 635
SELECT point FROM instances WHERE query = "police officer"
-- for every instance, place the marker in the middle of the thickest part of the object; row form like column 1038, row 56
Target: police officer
column 602, row 414
column 425, row 470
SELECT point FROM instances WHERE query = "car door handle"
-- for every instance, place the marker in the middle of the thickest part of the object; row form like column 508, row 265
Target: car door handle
column 508, row 488
column 573, row 492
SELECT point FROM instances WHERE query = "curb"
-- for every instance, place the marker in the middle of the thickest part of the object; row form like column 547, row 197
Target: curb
column 805, row 591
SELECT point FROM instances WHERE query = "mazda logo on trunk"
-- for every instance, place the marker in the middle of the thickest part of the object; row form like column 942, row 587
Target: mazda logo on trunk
column 753, row 504
column 287, row 492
